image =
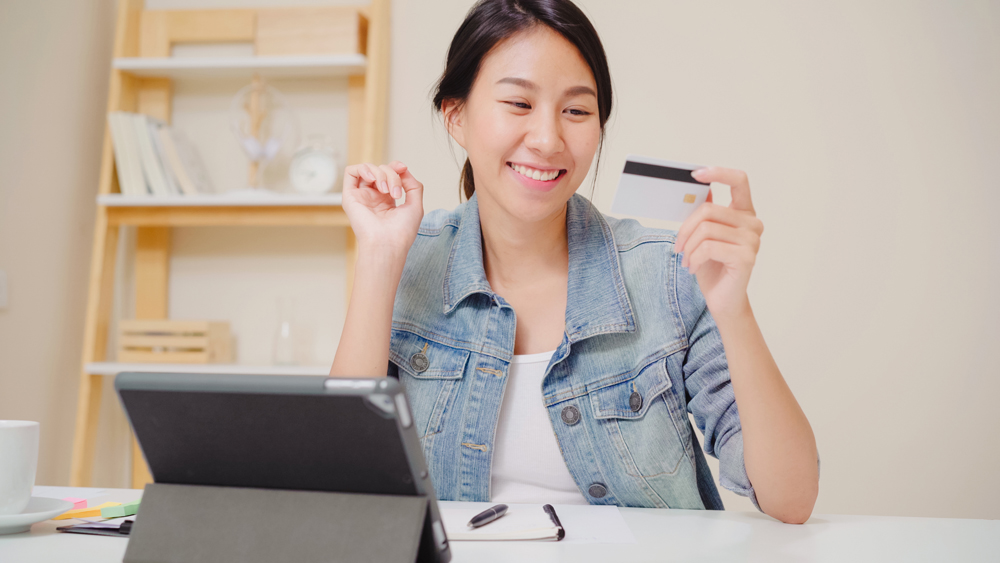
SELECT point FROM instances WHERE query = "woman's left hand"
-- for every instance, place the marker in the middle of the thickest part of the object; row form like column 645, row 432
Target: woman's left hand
column 720, row 243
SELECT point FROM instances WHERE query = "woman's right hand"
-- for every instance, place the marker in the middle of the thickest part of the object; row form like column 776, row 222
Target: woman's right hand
column 370, row 192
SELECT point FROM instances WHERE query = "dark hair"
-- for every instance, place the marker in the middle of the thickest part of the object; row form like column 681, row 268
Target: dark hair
column 491, row 21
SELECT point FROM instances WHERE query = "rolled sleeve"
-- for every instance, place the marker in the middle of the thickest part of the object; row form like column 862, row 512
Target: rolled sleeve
column 710, row 396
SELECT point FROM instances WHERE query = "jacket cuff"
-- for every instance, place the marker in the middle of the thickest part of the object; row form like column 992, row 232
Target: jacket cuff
column 732, row 469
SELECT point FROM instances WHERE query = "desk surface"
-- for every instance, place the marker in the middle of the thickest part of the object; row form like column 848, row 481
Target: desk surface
column 662, row 535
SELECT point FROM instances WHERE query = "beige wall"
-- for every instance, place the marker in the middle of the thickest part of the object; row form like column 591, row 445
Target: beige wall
column 866, row 129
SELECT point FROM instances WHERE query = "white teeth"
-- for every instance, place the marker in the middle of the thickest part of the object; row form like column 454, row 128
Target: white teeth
column 535, row 174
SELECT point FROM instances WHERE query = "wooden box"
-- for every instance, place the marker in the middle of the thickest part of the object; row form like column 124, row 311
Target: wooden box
column 174, row 342
column 327, row 30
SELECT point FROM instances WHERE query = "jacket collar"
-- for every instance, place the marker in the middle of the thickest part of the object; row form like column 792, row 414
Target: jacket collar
column 596, row 303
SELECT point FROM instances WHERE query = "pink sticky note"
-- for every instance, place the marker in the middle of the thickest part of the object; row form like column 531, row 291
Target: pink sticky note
column 77, row 502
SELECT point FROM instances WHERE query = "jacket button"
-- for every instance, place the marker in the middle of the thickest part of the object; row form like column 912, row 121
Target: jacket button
column 635, row 401
column 597, row 490
column 419, row 362
column 570, row 415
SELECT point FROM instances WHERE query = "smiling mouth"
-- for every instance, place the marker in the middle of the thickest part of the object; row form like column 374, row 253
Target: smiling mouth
column 538, row 175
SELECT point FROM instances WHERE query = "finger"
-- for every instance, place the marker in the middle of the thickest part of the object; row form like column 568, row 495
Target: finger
column 737, row 181
column 709, row 230
column 352, row 176
column 707, row 212
column 718, row 251
column 413, row 188
column 395, row 185
column 365, row 176
column 381, row 180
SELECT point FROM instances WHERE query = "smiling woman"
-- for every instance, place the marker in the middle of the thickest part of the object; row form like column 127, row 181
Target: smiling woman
column 552, row 353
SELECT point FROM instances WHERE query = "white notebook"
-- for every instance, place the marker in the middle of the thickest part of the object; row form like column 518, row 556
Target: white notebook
column 520, row 522
column 529, row 522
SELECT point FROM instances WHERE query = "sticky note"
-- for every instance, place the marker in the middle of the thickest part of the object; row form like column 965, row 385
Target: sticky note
column 128, row 509
column 92, row 512
column 131, row 507
column 113, row 512
column 77, row 502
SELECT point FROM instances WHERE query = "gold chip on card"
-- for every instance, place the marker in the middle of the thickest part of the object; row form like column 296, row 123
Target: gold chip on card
column 688, row 198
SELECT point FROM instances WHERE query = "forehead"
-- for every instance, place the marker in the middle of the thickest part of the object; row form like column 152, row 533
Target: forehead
column 539, row 54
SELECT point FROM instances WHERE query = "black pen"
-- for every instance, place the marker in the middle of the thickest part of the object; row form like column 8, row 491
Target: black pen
column 555, row 520
column 488, row 515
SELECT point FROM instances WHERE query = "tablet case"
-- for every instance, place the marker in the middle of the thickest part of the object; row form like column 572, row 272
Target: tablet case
column 195, row 524
column 279, row 468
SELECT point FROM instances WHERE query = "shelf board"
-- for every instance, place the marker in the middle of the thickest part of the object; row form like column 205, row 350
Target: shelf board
column 223, row 210
column 300, row 66
column 221, row 200
column 114, row 368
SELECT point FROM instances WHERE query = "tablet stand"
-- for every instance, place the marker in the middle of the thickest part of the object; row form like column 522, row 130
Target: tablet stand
column 192, row 523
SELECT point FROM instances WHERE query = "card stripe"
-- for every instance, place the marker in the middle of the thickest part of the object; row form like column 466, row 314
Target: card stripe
column 663, row 172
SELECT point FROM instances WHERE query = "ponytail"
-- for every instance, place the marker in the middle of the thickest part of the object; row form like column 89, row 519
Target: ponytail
column 467, row 183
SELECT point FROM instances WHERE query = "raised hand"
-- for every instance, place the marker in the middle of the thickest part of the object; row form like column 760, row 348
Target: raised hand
column 720, row 243
column 370, row 194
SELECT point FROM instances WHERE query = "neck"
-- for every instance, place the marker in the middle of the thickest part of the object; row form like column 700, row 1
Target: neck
column 516, row 251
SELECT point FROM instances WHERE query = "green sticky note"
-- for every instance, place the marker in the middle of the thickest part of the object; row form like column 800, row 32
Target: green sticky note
column 130, row 508
column 113, row 512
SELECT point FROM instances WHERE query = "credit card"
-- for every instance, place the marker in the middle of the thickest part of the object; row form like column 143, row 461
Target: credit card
column 658, row 189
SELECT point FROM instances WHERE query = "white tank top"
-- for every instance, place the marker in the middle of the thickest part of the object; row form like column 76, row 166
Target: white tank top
column 527, row 463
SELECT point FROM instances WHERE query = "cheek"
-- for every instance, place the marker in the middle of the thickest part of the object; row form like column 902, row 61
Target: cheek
column 584, row 147
column 496, row 130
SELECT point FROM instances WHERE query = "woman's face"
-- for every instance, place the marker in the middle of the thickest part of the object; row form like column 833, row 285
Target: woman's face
column 530, row 125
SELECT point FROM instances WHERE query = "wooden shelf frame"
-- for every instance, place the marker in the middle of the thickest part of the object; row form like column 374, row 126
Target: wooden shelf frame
column 147, row 87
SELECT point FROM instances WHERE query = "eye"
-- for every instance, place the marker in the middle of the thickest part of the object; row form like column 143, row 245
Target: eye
column 579, row 112
column 519, row 105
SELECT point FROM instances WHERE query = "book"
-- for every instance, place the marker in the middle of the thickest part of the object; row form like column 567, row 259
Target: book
column 154, row 131
column 184, row 162
column 127, row 163
column 152, row 158
column 152, row 168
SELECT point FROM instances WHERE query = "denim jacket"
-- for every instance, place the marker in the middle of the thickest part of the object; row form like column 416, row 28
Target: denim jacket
column 640, row 351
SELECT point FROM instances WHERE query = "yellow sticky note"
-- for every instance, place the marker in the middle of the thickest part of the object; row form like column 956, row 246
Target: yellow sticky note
column 92, row 512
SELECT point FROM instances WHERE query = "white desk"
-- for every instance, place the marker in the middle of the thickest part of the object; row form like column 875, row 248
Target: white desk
column 662, row 535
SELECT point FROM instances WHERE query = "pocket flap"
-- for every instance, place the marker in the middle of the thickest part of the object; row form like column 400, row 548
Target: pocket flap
column 615, row 401
column 426, row 359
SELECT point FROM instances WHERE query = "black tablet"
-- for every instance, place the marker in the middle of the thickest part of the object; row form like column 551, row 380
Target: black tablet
column 307, row 433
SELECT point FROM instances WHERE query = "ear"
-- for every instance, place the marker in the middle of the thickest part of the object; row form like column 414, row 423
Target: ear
column 453, row 120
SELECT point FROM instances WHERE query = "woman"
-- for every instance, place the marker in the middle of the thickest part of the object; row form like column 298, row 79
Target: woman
column 551, row 353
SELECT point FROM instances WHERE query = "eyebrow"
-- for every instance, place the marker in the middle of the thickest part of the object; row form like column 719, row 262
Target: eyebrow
column 525, row 83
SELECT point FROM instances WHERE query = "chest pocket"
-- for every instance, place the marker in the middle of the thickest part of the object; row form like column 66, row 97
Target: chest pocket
column 638, row 416
column 429, row 372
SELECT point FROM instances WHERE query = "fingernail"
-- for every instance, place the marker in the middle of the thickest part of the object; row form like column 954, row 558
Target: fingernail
column 383, row 186
column 699, row 172
column 397, row 192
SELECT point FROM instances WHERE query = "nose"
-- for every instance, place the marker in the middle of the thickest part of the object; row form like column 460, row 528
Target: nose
column 544, row 136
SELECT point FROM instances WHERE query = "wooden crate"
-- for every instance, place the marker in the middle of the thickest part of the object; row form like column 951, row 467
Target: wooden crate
column 321, row 30
column 174, row 342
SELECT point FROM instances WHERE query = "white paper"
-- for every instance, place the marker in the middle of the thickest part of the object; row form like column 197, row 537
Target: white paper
column 582, row 523
column 85, row 493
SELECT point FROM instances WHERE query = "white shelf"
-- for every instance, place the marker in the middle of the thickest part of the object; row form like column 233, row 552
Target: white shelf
column 114, row 368
column 220, row 200
column 302, row 66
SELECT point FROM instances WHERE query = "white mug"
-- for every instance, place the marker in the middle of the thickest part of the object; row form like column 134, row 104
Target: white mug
column 18, row 461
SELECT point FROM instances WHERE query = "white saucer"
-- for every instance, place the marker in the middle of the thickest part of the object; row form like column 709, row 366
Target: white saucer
column 39, row 509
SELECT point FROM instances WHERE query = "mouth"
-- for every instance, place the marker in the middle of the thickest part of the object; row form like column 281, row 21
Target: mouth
column 537, row 175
